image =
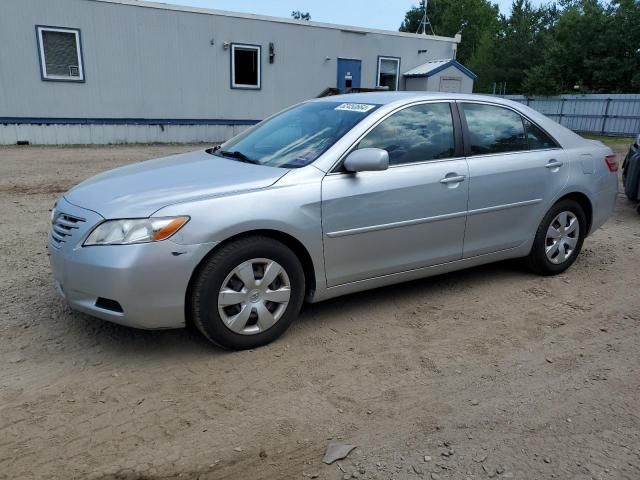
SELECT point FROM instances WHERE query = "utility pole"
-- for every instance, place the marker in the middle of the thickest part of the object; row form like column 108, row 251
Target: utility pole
column 425, row 23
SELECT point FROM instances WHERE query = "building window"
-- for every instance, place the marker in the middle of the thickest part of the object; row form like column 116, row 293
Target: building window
column 60, row 54
column 245, row 66
column 388, row 72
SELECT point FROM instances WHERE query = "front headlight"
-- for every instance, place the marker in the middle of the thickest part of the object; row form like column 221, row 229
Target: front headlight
column 137, row 230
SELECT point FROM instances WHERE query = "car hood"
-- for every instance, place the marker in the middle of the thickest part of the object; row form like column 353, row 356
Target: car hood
column 140, row 189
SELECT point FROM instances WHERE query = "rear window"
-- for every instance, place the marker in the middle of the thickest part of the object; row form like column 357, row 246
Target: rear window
column 494, row 129
column 538, row 140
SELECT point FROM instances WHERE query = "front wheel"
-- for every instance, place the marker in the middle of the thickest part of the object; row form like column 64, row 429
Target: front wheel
column 558, row 239
column 246, row 294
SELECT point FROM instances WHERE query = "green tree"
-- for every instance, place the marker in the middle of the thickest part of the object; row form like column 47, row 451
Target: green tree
column 520, row 43
column 621, row 71
column 579, row 37
column 471, row 18
column 299, row 15
column 484, row 63
column 592, row 47
column 539, row 81
column 413, row 18
column 580, row 45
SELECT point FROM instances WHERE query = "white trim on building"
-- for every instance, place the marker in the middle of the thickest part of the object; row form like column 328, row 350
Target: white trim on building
column 256, row 63
column 75, row 72
column 395, row 60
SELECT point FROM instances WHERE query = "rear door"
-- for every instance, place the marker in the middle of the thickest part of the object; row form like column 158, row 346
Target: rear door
column 515, row 170
column 409, row 216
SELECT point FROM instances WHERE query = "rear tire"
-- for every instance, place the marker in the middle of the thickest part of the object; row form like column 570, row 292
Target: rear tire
column 231, row 303
column 559, row 238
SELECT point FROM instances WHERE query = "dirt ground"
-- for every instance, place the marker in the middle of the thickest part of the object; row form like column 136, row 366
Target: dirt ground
column 490, row 372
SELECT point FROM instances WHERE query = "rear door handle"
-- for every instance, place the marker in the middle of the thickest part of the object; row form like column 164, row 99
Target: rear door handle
column 453, row 179
column 553, row 163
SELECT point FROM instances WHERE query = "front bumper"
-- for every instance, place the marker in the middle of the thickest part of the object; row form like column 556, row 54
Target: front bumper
column 142, row 286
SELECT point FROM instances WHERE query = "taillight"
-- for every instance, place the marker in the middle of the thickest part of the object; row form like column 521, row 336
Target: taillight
column 612, row 163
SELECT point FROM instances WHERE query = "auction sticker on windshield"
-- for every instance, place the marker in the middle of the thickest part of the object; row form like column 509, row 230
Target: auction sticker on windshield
column 355, row 107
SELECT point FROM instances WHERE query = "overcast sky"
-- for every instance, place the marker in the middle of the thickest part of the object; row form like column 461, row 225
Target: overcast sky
column 383, row 14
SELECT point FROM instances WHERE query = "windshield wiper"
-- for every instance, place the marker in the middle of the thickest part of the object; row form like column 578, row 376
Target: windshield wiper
column 238, row 156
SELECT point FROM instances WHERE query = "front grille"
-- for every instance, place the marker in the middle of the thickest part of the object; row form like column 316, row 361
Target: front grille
column 64, row 227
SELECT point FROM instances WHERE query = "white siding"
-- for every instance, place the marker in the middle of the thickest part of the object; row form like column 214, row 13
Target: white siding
column 147, row 62
column 416, row 84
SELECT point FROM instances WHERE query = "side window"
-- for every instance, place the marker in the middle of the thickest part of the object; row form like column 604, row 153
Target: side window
column 415, row 134
column 494, row 129
column 537, row 139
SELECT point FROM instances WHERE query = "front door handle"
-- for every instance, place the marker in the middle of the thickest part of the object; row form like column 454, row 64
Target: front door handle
column 453, row 179
column 553, row 163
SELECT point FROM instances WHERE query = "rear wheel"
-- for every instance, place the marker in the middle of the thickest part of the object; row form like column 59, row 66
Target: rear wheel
column 247, row 293
column 559, row 238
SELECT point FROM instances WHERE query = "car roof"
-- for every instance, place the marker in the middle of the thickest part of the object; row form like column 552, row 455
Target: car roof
column 563, row 135
column 385, row 97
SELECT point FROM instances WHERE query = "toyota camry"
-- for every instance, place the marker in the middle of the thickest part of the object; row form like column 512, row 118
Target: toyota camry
column 329, row 197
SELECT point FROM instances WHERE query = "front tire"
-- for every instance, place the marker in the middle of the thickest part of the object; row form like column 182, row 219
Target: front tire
column 559, row 238
column 247, row 293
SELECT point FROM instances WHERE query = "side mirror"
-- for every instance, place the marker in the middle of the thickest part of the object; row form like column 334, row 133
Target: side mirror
column 367, row 160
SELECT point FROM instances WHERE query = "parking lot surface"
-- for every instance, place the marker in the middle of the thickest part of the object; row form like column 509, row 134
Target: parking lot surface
column 486, row 373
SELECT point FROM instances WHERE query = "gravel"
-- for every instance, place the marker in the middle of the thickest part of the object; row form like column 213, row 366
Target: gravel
column 71, row 386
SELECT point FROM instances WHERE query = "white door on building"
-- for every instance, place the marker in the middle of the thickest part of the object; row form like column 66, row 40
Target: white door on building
column 451, row 84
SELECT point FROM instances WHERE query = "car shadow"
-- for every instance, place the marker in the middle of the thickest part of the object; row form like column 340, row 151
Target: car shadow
column 126, row 341
column 428, row 287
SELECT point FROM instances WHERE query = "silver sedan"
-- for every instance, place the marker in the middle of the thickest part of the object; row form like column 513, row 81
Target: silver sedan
column 326, row 198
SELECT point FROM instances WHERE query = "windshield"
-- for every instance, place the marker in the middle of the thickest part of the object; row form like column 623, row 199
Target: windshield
column 296, row 137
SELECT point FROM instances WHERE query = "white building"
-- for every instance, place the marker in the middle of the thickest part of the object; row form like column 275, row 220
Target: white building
column 118, row 71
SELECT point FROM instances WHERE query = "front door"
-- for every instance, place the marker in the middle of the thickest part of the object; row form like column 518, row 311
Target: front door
column 349, row 74
column 515, row 171
column 409, row 216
